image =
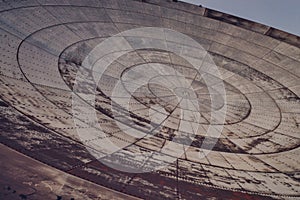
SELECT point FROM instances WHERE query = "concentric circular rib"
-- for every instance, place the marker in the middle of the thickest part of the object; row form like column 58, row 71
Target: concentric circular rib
column 154, row 99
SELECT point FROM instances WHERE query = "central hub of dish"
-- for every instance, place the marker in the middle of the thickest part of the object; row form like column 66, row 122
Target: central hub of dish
column 185, row 93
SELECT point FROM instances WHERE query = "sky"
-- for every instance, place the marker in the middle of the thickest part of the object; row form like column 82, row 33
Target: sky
column 280, row 14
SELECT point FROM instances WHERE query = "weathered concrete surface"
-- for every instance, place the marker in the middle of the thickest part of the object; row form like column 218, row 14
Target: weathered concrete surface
column 26, row 178
column 43, row 44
